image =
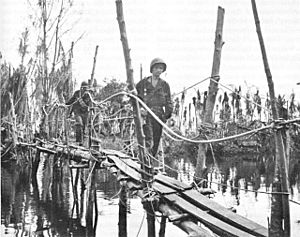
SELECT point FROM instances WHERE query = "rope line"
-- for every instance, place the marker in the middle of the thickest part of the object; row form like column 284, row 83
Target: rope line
column 194, row 85
column 264, row 108
column 192, row 140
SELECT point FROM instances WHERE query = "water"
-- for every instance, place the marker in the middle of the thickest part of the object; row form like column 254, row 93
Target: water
column 45, row 206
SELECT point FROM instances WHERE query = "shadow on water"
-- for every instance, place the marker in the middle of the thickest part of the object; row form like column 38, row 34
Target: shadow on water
column 45, row 204
column 54, row 201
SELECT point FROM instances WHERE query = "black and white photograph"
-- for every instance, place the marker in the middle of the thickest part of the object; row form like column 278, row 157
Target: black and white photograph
column 150, row 118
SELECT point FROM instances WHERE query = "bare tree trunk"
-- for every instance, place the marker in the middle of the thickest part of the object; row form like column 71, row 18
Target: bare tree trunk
column 213, row 85
column 137, row 113
column 94, row 66
column 131, row 86
column 212, row 91
column 280, row 211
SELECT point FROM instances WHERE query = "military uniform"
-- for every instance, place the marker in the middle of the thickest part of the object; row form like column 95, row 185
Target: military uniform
column 158, row 99
column 80, row 102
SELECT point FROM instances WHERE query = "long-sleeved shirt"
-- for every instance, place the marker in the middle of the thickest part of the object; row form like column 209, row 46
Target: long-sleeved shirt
column 156, row 97
column 80, row 102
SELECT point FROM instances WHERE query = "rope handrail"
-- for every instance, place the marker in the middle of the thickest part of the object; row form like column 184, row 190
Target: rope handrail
column 170, row 131
column 178, row 93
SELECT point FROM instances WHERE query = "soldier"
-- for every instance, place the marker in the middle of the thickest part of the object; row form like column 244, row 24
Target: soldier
column 80, row 102
column 155, row 92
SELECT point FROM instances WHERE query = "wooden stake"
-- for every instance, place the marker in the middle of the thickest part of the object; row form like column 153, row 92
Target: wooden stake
column 123, row 211
column 148, row 206
column 14, row 119
column 131, row 86
column 280, row 159
column 136, row 108
column 162, row 229
column 91, row 188
column 94, row 65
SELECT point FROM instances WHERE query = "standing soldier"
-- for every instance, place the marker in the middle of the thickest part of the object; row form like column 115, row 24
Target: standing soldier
column 80, row 102
column 155, row 92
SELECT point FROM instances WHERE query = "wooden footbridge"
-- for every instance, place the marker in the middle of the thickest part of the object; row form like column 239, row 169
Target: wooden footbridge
column 183, row 205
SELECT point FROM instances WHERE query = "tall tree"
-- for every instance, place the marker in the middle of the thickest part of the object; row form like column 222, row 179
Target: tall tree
column 53, row 77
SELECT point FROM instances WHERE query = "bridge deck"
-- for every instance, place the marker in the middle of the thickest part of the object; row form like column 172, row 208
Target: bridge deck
column 189, row 201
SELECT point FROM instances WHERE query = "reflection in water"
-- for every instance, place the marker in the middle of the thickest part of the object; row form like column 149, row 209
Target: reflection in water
column 54, row 202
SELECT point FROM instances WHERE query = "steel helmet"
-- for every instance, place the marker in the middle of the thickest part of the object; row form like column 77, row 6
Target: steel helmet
column 84, row 84
column 158, row 61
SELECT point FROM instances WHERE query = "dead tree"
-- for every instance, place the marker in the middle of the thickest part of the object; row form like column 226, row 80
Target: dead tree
column 212, row 90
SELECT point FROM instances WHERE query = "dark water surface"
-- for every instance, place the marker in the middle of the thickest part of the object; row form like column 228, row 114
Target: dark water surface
column 45, row 206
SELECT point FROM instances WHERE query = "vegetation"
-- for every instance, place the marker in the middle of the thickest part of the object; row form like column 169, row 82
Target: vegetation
column 33, row 92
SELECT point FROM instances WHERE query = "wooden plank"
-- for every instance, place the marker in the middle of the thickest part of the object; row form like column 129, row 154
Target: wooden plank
column 216, row 225
column 125, row 168
column 132, row 163
column 162, row 189
column 214, row 208
column 127, row 160
column 114, row 152
column 171, row 182
column 45, row 150
column 224, row 214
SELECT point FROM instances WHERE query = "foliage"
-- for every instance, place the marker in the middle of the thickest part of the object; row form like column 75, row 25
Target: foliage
column 112, row 86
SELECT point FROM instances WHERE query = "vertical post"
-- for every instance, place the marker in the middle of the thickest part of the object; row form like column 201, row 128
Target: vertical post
column 70, row 83
column 162, row 156
column 91, row 188
column 130, row 82
column 14, row 118
column 213, row 85
column 35, row 165
column 280, row 210
column 66, row 125
column 162, row 229
column 123, row 210
column 212, row 90
column 94, row 65
column 137, row 112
